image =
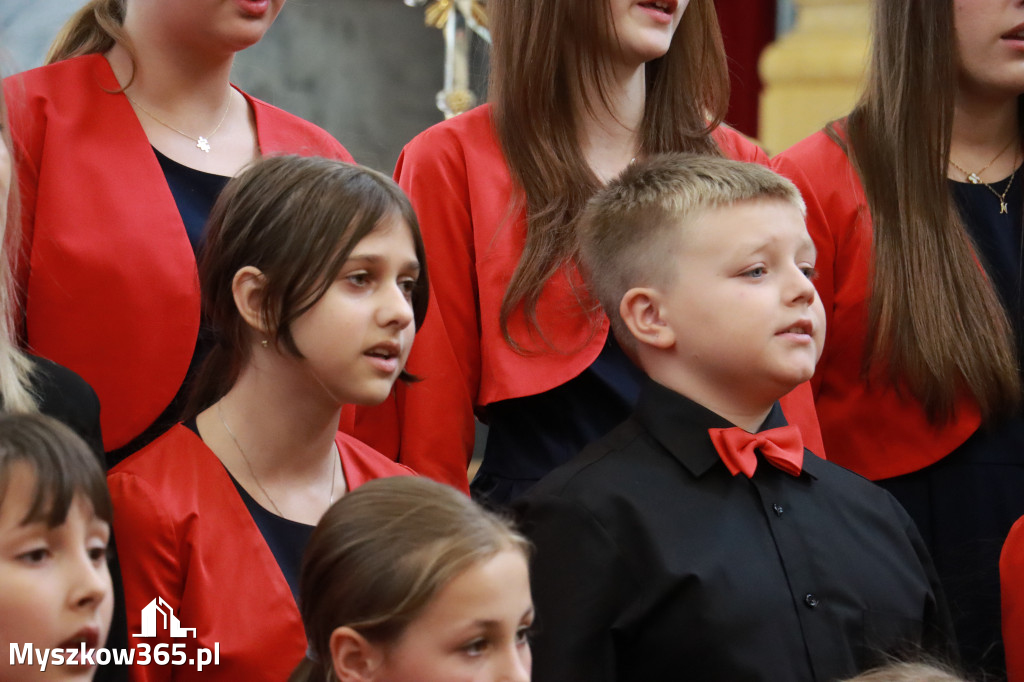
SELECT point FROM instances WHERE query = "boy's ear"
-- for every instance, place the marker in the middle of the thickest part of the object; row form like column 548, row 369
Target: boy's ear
column 641, row 310
column 248, row 288
column 354, row 658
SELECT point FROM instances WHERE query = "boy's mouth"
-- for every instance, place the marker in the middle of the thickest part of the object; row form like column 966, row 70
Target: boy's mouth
column 800, row 327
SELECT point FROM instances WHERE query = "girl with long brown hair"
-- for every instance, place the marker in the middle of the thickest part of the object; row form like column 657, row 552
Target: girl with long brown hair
column 123, row 141
column 312, row 281
column 407, row 580
column 577, row 91
column 915, row 204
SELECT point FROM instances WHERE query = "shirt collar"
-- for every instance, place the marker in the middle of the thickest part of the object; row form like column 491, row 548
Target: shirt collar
column 681, row 426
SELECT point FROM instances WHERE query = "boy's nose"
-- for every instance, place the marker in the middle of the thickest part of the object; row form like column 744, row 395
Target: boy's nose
column 802, row 288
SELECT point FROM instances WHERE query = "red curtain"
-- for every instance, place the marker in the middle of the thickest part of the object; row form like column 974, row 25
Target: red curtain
column 747, row 27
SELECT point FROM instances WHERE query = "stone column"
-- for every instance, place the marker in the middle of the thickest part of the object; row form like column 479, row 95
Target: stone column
column 814, row 73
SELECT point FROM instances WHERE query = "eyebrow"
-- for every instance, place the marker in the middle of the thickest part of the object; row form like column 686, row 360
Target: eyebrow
column 375, row 258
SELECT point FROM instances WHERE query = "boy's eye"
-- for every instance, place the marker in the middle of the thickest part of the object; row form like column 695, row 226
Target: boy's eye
column 809, row 272
column 757, row 272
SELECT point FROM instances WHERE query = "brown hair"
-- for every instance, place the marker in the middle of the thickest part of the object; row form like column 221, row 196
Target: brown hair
column 96, row 27
column 296, row 219
column 936, row 324
column 15, row 367
column 64, row 466
column 630, row 228
column 546, row 55
column 380, row 555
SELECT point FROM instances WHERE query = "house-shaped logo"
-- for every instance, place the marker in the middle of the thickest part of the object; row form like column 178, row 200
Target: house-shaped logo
column 170, row 622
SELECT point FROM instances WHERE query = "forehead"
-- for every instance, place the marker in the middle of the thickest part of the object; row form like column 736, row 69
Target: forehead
column 495, row 589
column 391, row 232
column 746, row 225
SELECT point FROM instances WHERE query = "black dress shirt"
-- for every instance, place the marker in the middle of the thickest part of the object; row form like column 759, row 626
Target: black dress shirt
column 653, row 563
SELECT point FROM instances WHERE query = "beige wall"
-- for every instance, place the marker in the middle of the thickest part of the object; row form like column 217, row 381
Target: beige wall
column 814, row 73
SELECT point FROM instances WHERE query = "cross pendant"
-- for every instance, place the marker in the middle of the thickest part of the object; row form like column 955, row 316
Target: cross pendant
column 203, row 144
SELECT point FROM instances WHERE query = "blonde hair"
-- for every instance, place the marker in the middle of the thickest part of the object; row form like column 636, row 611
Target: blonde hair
column 15, row 367
column 629, row 227
column 381, row 554
column 96, row 27
column 908, row 672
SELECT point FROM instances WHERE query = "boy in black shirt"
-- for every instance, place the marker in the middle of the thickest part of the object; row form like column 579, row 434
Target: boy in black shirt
column 699, row 539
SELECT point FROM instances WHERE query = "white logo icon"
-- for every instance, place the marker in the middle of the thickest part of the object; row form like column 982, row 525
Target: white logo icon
column 170, row 621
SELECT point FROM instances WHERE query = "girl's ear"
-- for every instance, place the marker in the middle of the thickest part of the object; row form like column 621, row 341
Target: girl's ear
column 354, row 658
column 248, row 287
column 641, row 310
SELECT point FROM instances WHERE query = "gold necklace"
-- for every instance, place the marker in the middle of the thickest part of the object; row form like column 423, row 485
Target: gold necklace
column 203, row 141
column 334, row 469
column 975, row 178
column 1003, row 208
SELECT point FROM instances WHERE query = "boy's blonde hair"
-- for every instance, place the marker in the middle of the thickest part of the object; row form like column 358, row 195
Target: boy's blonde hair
column 630, row 230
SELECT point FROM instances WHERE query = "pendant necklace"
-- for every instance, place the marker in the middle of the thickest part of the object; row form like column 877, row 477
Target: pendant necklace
column 975, row 178
column 203, row 141
column 334, row 469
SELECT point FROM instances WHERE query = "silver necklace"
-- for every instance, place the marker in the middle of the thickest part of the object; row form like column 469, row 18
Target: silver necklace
column 203, row 141
column 334, row 469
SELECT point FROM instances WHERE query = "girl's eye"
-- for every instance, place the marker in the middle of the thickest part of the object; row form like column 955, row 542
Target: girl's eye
column 98, row 553
column 756, row 273
column 360, row 279
column 475, row 647
column 408, row 286
column 35, row 556
column 523, row 635
column 809, row 272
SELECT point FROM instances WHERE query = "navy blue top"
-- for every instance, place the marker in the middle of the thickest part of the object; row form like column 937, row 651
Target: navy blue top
column 287, row 539
column 194, row 193
column 530, row 436
column 965, row 503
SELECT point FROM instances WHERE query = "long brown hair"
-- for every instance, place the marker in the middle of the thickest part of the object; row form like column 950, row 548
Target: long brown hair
column 936, row 324
column 380, row 555
column 96, row 27
column 297, row 219
column 546, row 55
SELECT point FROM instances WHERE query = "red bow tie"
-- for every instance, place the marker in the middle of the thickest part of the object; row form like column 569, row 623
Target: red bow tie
column 782, row 447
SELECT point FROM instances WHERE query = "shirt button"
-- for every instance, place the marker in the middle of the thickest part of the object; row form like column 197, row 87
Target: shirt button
column 811, row 601
column 777, row 508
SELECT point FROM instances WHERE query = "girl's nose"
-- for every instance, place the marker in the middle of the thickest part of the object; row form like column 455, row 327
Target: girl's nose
column 90, row 584
column 516, row 666
column 397, row 308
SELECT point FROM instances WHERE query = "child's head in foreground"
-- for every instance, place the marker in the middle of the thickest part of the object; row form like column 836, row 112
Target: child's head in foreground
column 408, row 580
column 705, row 268
column 55, row 518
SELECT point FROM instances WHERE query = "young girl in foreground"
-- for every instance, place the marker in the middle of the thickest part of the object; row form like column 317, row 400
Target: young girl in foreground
column 407, row 580
column 54, row 528
column 312, row 281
